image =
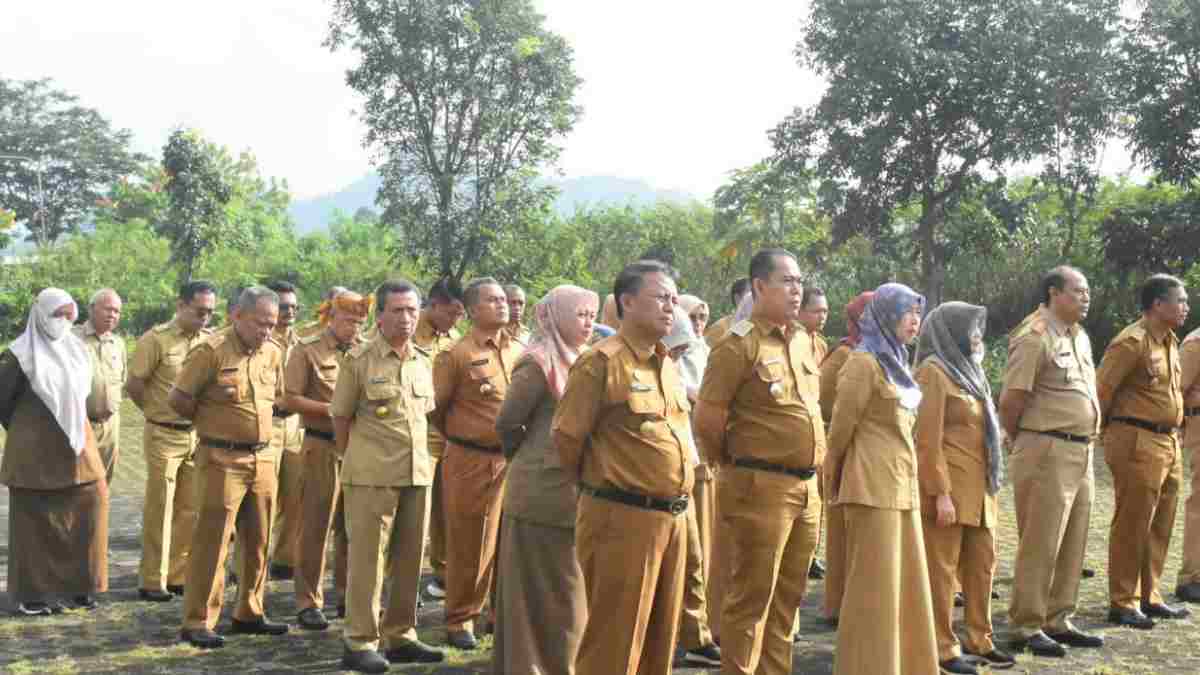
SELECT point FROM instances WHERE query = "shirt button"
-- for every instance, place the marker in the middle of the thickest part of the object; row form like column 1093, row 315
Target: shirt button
column 647, row 427
column 381, row 411
column 486, row 388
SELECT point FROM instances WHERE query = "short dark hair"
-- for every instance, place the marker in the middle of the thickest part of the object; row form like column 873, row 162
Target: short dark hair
column 446, row 290
column 281, row 286
column 739, row 288
column 811, row 292
column 509, row 289
column 633, row 277
column 191, row 289
column 1156, row 288
column 471, row 293
column 1056, row 278
column 763, row 263
column 392, row 286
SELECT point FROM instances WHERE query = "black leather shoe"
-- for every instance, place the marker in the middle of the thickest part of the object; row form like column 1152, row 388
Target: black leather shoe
column 414, row 652
column 155, row 595
column 1188, row 592
column 365, row 661
column 1131, row 618
column 816, row 570
column 998, row 657
column 175, row 590
column 1074, row 638
column 259, row 627
column 708, row 655
column 958, row 665
column 1158, row 610
column 960, row 600
column 282, row 572
column 462, row 639
column 33, row 609
column 1087, row 573
column 1040, row 644
column 204, row 639
column 85, row 602
column 342, row 611
column 312, row 619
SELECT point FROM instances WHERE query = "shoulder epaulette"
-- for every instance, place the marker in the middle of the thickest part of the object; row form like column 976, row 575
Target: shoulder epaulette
column 428, row 353
column 358, row 350
column 162, row 327
column 310, row 339
column 609, row 345
column 742, row 328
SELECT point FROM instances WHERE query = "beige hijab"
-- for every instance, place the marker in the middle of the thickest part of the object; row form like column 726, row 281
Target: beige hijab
column 548, row 348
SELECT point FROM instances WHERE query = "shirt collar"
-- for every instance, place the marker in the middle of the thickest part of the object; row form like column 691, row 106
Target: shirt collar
column 1056, row 326
column 1161, row 337
column 384, row 348
column 502, row 340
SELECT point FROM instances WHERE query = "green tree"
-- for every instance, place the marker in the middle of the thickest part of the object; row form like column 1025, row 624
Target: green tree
column 197, row 195
column 464, row 101
column 923, row 96
column 75, row 154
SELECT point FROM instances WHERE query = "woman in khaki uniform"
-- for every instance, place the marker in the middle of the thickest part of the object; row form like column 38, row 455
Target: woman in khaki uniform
column 835, row 531
column 961, row 469
column 541, row 607
column 886, row 625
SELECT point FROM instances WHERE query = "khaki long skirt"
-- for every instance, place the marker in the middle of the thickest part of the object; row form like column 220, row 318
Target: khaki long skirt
column 541, row 606
column 886, row 625
column 57, row 542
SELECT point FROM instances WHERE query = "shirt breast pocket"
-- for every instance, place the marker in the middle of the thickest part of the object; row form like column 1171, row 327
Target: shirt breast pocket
column 328, row 374
column 230, row 385
column 382, row 391
column 770, row 380
column 485, row 379
column 422, row 392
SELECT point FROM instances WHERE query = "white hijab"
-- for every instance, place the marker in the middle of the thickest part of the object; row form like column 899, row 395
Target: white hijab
column 682, row 334
column 57, row 365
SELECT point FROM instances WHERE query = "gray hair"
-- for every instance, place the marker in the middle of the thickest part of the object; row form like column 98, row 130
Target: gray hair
column 471, row 293
column 100, row 294
column 511, row 289
column 334, row 291
column 252, row 295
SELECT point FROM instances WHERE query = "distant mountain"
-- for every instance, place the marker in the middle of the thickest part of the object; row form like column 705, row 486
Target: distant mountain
column 313, row 214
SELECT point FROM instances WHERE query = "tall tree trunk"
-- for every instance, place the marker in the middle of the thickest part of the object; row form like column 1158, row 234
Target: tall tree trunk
column 933, row 268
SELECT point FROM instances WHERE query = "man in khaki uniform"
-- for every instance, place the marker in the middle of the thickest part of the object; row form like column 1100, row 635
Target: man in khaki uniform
column 286, row 443
column 383, row 394
column 310, row 375
column 169, row 507
column 229, row 385
column 107, row 351
column 1141, row 398
column 1188, row 585
column 814, row 313
column 516, row 314
column 314, row 327
column 470, row 381
column 760, row 414
column 435, row 334
column 717, row 329
column 621, row 427
column 1051, row 415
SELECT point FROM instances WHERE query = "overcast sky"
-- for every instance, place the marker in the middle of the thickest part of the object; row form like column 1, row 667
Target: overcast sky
column 677, row 93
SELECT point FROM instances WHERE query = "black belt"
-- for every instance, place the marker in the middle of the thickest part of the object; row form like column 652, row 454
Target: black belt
column 233, row 445
column 674, row 506
column 1143, row 424
column 177, row 426
column 327, row 435
column 280, row 413
column 1191, row 412
column 760, row 465
column 1063, row 436
column 490, row 449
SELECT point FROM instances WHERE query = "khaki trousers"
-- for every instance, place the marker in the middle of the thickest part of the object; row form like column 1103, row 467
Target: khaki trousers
column 1147, row 472
column 108, row 437
column 387, row 527
column 970, row 552
column 237, row 492
column 169, row 507
column 437, row 509
column 835, row 559
column 1052, row 489
column 693, row 622
column 705, row 494
column 286, row 444
column 633, row 563
column 323, row 513
column 1189, row 572
column 773, row 521
column 474, row 488
column 886, row 625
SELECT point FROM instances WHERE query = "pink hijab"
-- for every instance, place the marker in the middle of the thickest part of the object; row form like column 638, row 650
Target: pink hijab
column 548, row 348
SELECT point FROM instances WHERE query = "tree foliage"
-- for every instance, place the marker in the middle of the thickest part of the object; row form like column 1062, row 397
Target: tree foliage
column 197, row 195
column 72, row 150
column 464, row 100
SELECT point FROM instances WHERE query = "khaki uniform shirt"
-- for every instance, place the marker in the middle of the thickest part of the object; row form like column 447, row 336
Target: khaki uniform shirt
column 157, row 359
column 623, row 421
column 520, row 333
column 312, row 372
column 1189, row 356
column 235, row 388
column 830, row 367
column 387, row 394
column 952, row 450
column 1141, row 376
column 1053, row 362
column 470, row 381
column 108, row 371
column 433, row 342
column 717, row 330
column 770, row 385
column 309, row 329
column 872, row 458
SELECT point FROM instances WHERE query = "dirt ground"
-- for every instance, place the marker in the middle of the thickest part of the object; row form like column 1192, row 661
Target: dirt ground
column 126, row 635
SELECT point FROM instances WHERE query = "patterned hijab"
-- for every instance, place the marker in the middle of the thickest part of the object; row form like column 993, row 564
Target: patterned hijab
column 946, row 340
column 878, row 337
column 548, row 348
